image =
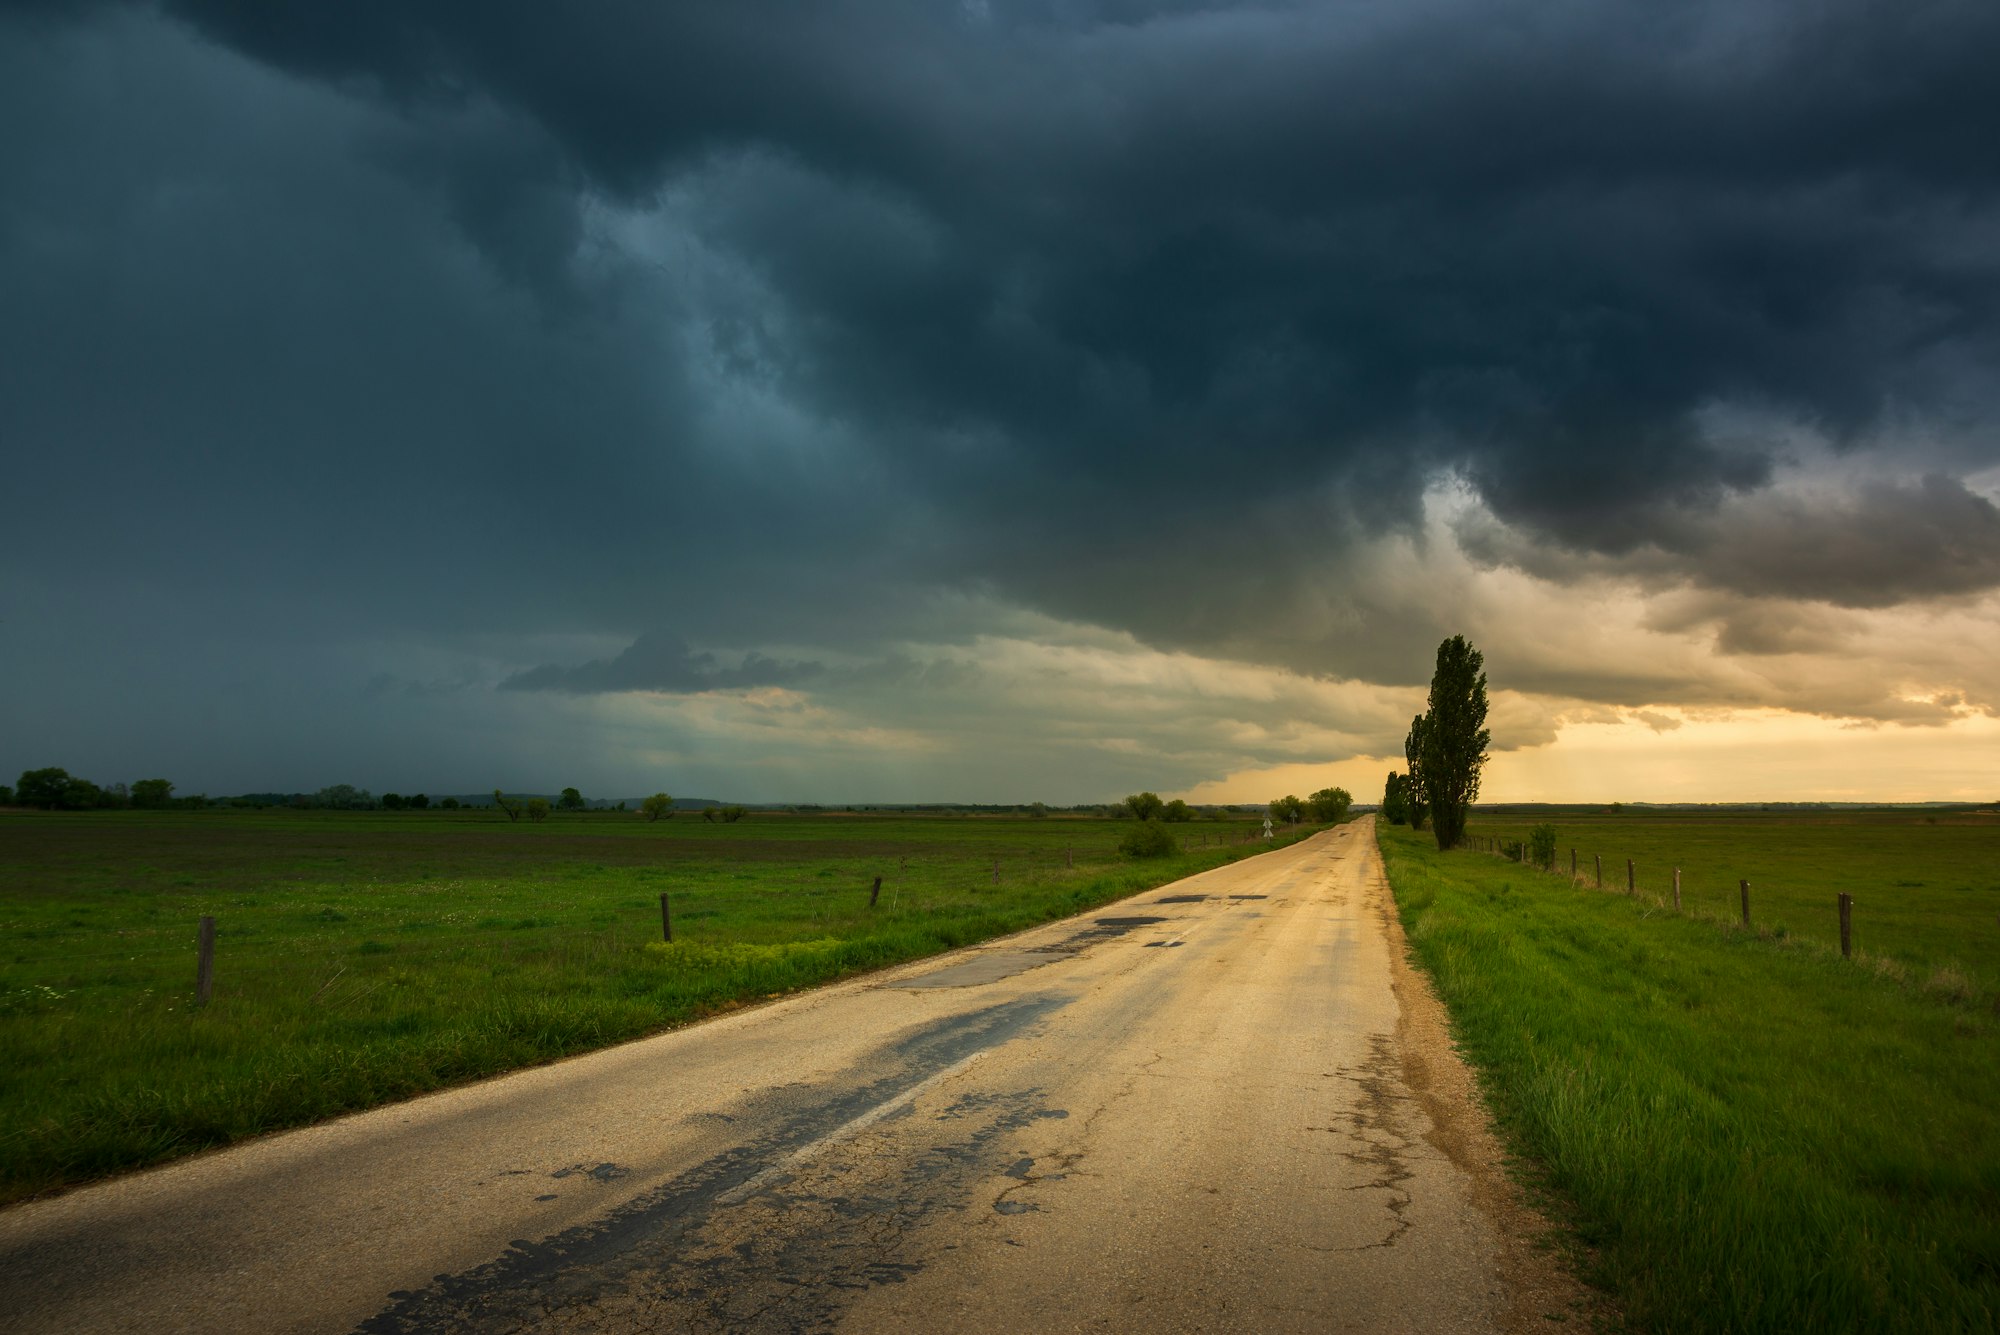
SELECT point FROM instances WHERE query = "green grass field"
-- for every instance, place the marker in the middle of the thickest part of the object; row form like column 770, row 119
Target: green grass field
column 367, row 957
column 1754, row 1134
column 1926, row 886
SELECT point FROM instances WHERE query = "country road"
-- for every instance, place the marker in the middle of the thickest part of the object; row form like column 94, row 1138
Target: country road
column 1217, row 1106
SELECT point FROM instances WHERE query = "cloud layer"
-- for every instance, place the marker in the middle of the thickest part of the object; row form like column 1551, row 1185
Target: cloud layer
column 463, row 344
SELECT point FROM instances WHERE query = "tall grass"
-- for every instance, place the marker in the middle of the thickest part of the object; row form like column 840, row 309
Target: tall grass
column 1754, row 1137
column 365, row 958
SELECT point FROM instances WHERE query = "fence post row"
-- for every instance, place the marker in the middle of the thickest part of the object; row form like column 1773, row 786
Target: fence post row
column 1843, row 902
column 204, row 962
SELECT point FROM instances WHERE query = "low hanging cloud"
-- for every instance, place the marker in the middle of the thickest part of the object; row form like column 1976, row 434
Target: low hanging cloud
column 664, row 663
column 1886, row 543
column 1875, row 544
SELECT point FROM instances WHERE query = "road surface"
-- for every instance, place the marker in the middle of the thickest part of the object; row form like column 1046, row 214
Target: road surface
column 1206, row 1108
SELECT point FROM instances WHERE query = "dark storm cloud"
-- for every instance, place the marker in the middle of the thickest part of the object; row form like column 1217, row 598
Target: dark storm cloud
column 656, row 662
column 465, row 324
column 1053, row 257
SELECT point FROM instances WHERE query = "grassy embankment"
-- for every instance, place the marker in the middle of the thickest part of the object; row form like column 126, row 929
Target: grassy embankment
column 364, row 958
column 1755, row 1134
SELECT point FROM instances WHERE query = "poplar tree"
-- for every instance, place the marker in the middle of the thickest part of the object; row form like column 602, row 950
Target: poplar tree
column 1446, row 747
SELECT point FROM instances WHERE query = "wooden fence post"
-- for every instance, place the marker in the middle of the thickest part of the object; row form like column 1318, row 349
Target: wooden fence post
column 1847, row 927
column 996, row 871
column 1631, row 878
column 1598, row 858
column 874, row 892
column 204, row 962
column 1572, row 866
column 1745, row 887
column 666, row 918
column 1677, row 889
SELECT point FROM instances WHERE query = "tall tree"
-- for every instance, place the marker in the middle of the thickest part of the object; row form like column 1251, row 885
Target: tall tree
column 1414, row 800
column 1446, row 747
column 1395, row 800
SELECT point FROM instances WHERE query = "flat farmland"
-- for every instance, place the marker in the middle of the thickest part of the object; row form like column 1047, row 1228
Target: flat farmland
column 1926, row 886
column 367, row 957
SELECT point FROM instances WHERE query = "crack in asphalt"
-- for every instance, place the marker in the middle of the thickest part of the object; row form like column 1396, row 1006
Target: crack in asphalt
column 1373, row 1124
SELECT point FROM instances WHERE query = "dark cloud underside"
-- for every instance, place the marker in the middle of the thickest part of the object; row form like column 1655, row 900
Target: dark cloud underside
column 657, row 662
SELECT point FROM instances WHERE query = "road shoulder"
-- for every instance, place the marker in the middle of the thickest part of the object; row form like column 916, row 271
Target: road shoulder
column 1538, row 1255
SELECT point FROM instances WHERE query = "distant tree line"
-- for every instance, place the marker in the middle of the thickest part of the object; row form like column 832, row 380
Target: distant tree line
column 54, row 789
column 57, row 790
column 1328, row 806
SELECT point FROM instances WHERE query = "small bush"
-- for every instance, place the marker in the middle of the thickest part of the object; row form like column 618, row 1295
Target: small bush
column 1148, row 840
column 1542, row 846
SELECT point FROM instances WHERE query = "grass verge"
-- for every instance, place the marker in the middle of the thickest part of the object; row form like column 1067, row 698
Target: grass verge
column 1756, row 1135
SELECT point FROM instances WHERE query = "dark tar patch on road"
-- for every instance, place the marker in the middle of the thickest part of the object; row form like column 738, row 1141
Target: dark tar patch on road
column 604, row 1172
column 676, row 1255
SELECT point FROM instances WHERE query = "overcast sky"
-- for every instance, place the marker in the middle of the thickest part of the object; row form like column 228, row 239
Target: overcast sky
column 971, row 400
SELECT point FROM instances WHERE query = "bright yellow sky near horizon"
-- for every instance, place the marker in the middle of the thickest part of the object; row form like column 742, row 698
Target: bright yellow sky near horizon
column 1750, row 756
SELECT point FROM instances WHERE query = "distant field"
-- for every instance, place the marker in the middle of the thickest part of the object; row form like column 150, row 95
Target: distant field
column 370, row 956
column 1926, row 886
column 1755, row 1134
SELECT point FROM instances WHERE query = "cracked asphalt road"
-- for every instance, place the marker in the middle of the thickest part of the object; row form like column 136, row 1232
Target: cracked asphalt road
column 1188, row 1111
